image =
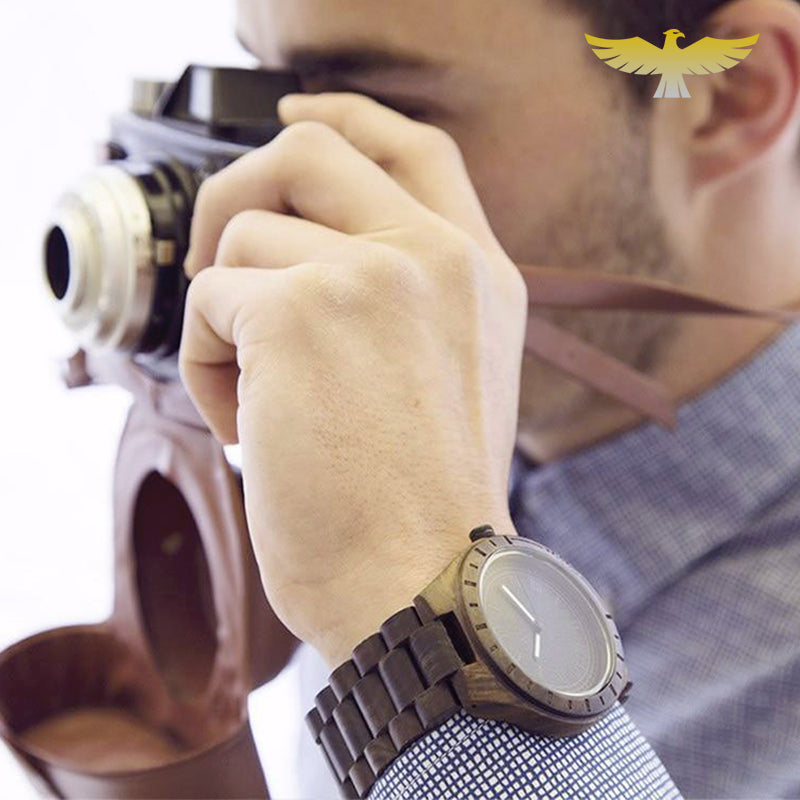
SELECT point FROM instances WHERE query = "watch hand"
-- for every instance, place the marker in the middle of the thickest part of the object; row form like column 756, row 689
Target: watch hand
column 537, row 639
column 520, row 606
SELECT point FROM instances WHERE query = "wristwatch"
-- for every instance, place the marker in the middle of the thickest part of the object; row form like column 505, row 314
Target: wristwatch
column 508, row 631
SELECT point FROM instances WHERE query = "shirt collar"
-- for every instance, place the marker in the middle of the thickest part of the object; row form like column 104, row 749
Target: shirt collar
column 634, row 511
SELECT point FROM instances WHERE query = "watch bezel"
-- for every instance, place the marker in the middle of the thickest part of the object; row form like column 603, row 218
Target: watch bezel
column 482, row 638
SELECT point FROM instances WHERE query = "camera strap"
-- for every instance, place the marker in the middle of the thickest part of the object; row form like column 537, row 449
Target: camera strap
column 557, row 288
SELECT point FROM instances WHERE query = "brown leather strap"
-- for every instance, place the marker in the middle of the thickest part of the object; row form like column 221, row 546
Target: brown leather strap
column 554, row 287
column 394, row 688
column 550, row 287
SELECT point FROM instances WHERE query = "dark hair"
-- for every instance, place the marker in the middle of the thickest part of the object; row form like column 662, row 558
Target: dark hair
column 620, row 19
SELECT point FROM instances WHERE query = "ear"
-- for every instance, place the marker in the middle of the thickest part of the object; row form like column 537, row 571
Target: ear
column 752, row 110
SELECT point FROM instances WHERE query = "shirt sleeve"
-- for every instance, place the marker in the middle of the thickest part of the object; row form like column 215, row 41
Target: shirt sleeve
column 468, row 757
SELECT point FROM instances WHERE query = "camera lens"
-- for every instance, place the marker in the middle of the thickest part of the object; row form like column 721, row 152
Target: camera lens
column 113, row 256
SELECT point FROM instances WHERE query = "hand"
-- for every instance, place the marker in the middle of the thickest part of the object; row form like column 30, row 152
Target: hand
column 360, row 333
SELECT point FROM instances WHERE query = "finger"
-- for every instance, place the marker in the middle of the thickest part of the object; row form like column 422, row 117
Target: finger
column 207, row 360
column 422, row 158
column 308, row 169
column 268, row 240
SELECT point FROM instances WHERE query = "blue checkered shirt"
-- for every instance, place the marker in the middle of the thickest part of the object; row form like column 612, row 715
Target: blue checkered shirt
column 693, row 538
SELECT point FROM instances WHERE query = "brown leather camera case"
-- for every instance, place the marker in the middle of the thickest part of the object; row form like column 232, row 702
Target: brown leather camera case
column 152, row 703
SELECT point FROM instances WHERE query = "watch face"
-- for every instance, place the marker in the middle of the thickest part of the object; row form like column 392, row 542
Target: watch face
column 546, row 622
column 542, row 626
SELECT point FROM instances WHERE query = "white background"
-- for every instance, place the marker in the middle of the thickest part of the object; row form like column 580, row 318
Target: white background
column 64, row 67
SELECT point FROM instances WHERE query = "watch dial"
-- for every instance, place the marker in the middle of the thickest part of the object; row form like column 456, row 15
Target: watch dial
column 546, row 621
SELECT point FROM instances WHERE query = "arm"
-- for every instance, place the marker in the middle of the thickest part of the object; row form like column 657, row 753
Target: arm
column 355, row 324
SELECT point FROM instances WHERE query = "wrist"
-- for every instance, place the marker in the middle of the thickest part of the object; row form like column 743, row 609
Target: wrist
column 388, row 580
column 392, row 585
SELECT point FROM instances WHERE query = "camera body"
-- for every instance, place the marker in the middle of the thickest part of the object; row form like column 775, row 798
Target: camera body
column 116, row 241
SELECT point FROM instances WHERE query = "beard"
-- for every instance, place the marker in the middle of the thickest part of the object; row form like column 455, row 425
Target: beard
column 609, row 223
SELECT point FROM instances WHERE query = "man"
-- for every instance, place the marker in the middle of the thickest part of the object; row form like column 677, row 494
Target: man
column 356, row 321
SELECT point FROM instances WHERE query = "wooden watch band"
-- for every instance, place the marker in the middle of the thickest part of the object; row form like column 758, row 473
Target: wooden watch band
column 395, row 687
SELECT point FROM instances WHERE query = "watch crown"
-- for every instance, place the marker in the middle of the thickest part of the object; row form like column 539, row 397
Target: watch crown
column 481, row 532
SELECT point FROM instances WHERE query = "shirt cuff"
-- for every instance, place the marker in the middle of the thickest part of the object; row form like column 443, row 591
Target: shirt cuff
column 468, row 757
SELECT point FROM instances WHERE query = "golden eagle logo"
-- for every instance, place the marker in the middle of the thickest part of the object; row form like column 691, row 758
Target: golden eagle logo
column 672, row 62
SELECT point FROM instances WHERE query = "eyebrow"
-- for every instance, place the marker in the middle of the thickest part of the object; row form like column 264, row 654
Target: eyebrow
column 349, row 59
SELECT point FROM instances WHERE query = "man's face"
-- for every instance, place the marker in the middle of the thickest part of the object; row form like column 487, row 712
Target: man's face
column 557, row 154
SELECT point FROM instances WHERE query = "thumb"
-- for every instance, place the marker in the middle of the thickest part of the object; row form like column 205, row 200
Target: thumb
column 207, row 362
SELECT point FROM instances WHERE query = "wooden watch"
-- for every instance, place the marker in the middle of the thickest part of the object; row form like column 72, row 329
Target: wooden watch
column 508, row 631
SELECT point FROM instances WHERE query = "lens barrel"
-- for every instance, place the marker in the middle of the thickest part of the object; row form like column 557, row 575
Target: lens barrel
column 114, row 247
column 113, row 256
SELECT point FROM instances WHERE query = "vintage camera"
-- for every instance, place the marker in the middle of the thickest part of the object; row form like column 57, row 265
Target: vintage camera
column 115, row 244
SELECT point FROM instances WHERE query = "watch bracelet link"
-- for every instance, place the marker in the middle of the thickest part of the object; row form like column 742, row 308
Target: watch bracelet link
column 395, row 688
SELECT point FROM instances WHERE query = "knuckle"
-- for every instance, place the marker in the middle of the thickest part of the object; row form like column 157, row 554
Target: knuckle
column 201, row 288
column 304, row 135
column 459, row 260
column 380, row 281
column 518, row 288
column 199, row 285
column 235, row 231
column 206, row 193
column 388, row 277
column 357, row 109
column 432, row 141
column 321, row 288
